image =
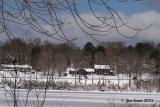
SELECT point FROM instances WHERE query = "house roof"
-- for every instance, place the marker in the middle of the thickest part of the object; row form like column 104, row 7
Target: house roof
column 89, row 69
column 15, row 66
column 101, row 66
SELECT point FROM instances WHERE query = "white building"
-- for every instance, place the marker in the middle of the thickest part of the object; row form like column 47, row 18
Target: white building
column 11, row 67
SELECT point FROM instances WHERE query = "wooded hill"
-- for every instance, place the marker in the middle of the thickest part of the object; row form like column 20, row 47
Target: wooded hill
column 143, row 57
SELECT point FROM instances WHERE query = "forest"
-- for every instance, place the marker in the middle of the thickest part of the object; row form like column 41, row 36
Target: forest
column 144, row 57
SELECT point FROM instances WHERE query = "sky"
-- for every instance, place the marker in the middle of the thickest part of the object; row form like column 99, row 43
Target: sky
column 138, row 14
column 130, row 7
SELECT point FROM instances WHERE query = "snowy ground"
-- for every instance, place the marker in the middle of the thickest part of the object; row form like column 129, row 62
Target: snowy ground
column 121, row 80
column 83, row 98
column 69, row 78
column 57, row 98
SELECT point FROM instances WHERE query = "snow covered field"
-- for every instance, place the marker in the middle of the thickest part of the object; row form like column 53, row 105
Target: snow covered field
column 90, row 79
column 81, row 98
column 64, row 98
column 94, row 80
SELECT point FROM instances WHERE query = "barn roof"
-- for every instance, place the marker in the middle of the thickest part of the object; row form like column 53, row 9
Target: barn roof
column 101, row 66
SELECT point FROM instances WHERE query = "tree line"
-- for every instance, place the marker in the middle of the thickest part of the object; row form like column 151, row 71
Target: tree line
column 143, row 57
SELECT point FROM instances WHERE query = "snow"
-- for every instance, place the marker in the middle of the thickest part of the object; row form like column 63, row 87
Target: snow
column 15, row 66
column 89, row 69
column 101, row 66
column 69, row 78
column 121, row 80
column 89, row 97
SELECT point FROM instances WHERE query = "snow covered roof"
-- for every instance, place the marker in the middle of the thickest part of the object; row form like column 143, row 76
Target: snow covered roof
column 89, row 69
column 101, row 66
column 15, row 66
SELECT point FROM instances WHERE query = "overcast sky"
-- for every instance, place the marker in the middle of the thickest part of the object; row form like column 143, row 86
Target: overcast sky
column 137, row 14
